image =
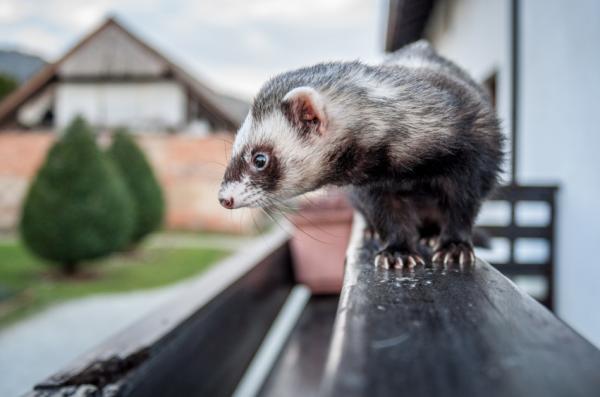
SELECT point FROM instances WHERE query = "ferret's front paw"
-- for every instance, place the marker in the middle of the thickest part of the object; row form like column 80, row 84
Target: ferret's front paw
column 461, row 253
column 389, row 258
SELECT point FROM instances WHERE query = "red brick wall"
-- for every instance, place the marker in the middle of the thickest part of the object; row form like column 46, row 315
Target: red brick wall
column 189, row 169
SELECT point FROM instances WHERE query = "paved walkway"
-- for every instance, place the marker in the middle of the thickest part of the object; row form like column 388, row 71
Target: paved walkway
column 42, row 344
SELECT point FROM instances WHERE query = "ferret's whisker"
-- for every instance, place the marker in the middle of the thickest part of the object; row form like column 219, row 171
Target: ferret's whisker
column 311, row 223
column 274, row 219
column 298, row 227
column 214, row 162
column 282, row 205
column 224, row 140
column 254, row 221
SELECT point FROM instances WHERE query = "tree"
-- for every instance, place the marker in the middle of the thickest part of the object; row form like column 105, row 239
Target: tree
column 7, row 85
column 142, row 183
column 78, row 207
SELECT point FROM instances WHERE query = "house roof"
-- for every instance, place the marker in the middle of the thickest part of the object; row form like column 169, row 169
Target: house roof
column 225, row 111
column 406, row 22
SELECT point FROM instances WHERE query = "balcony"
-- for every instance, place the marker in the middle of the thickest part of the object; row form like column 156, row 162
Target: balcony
column 247, row 329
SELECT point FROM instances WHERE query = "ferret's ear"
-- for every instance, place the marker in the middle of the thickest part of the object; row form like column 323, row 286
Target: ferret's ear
column 305, row 108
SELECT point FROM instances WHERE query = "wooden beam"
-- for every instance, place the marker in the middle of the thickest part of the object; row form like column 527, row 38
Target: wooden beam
column 199, row 344
column 439, row 331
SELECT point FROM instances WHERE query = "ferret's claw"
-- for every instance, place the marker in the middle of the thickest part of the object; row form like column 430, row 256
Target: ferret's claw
column 386, row 259
column 455, row 253
column 399, row 263
column 461, row 258
column 382, row 261
column 447, row 258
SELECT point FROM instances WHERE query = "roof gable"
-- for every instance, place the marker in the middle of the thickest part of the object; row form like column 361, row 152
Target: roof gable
column 112, row 53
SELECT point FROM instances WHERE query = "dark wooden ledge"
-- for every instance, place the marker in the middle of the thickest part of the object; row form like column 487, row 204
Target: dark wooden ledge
column 449, row 332
column 199, row 344
column 429, row 332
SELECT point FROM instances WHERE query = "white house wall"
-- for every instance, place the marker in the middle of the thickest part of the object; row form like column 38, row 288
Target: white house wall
column 560, row 141
column 33, row 111
column 559, row 137
column 144, row 105
column 475, row 34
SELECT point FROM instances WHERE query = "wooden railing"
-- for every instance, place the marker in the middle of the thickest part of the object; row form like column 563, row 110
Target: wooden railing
column 198, row 345
column 246, row 329
column 449, row 331
column 515, row 232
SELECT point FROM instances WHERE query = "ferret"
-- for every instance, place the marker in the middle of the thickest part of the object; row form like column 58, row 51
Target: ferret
column 414, row 139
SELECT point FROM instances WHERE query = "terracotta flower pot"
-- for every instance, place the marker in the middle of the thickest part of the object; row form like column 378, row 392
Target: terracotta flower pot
column 319, row 243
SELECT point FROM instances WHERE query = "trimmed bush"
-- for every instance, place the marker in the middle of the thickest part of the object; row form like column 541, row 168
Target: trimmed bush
column 78, row 207
column 7, row 85
column 140, row 179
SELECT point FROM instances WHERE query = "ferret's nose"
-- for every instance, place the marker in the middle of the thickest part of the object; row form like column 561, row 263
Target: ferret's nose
column 226, row 202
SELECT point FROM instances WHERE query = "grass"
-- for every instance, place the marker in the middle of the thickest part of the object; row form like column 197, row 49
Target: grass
column 28, row 285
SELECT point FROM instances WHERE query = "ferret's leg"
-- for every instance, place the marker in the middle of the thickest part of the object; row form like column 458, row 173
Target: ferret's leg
column 356, row 199
column 454, row 245
column 395, row 220
column 429, row 222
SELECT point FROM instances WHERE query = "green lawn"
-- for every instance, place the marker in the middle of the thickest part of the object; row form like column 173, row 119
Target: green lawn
column 27, row 284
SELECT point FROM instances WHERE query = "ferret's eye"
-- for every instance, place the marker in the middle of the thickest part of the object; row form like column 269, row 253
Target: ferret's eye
column 260, row 161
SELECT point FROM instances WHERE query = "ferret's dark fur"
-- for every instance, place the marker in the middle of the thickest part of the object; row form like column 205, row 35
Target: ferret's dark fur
column 415, row 139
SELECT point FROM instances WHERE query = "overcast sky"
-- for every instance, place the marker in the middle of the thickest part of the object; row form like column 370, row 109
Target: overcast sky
column 232, row 44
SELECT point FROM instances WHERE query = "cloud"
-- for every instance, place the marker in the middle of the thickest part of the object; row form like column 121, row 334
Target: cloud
column 9, row 12
column 236, row 44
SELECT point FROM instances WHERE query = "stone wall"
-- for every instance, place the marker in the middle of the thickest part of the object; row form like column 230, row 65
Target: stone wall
column 189, row 169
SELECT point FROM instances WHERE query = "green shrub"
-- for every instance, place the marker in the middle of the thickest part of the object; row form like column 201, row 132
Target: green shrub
column 140, row 179
column 7, row 85
column 78, row 207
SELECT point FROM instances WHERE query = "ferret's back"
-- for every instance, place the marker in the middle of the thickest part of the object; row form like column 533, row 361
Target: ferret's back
column 422, row 56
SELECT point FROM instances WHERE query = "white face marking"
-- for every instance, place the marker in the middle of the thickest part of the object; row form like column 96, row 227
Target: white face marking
column 242, row 193
column 300, row 159
column 242, row 135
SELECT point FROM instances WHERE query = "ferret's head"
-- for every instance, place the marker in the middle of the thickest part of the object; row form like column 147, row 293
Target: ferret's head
column 279, row 151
